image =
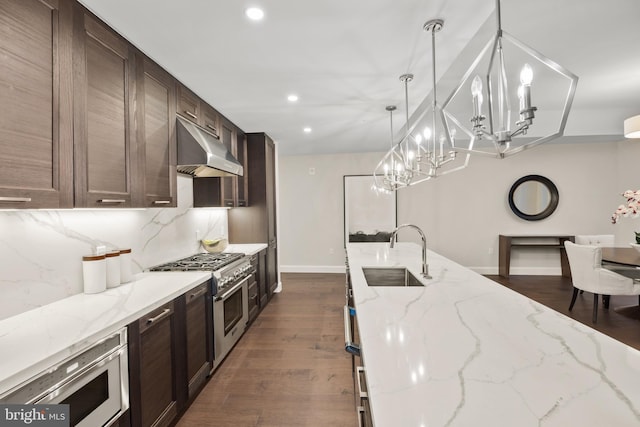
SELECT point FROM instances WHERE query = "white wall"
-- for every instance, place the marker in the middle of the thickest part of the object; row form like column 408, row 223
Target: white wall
column 464, row 212
column 41, row 251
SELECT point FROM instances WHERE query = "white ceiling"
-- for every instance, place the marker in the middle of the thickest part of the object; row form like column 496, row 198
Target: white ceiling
column 343, row 58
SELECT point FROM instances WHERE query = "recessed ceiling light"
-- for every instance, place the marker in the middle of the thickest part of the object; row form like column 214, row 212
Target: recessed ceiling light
column 254, row 13
column 307, row 130
column 292, row 98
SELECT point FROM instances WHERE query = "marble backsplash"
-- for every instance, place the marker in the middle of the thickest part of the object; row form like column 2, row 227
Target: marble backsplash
column 41, row 250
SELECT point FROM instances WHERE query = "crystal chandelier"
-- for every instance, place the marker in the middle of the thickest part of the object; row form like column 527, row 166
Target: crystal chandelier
column 495, row 134
column 431, row 152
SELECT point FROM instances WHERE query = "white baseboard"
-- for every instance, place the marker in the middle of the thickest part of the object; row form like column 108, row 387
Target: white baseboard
column 312, row 269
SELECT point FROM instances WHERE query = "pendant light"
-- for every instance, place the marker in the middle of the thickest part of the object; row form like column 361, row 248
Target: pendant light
column 430, row 146
column 495, row 134
column 390, row 173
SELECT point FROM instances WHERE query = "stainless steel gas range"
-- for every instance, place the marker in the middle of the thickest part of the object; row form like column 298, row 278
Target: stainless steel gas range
column 231, row 273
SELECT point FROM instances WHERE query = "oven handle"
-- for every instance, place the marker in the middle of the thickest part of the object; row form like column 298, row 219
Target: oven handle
column 232, row 290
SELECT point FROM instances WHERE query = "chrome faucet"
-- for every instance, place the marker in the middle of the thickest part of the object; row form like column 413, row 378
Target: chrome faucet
column 425, row 266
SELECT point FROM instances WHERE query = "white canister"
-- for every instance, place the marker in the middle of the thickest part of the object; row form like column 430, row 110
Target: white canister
column 113, row 269
column 126, row 275
column 94, row 273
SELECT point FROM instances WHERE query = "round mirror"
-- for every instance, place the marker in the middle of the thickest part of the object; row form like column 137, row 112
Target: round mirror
column 533, row 197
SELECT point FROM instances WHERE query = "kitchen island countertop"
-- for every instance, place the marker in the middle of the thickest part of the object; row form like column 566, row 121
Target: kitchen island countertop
column 40, row 338
column 464, row 350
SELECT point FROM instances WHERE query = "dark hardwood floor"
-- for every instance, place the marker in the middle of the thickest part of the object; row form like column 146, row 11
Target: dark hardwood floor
column 290, row 367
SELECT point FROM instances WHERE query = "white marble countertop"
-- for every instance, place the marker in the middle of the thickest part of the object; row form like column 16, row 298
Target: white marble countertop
column 246, row 248
column 464, row 350
column 40, row 338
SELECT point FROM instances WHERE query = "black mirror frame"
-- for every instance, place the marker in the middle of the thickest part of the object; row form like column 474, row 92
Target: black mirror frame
column 551, row 207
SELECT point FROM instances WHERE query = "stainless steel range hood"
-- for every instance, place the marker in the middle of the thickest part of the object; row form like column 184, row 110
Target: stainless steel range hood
column 201, row 154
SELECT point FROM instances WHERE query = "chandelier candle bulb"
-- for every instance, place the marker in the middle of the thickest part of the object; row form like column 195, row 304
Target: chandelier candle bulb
column 476, row 93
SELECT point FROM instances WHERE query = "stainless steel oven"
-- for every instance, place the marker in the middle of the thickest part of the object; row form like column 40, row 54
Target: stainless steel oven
column 94, row 383
column 230, row 317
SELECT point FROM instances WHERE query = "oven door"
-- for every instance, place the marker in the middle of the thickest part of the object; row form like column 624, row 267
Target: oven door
column 99, row 395
column 230, row 316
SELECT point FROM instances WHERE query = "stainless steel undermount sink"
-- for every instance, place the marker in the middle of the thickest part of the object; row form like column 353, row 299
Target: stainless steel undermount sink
column 390, row 276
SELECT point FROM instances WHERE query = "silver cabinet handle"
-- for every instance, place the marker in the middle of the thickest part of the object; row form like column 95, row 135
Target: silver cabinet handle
column 15, row 199
column 190, row 114
column 114, row 201
column 159, row 316
column 161, row 202
column 362, row 393
column 349, row 346
column 197, row 294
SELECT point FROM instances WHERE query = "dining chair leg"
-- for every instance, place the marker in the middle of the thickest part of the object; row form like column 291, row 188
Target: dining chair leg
column 595, row 308
column 575, row 295
column 605, row 300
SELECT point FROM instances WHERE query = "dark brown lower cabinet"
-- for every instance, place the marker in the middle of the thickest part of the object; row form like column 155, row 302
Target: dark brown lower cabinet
column 152, row 366
column 170, row 357
column 198, row 336
column 263, row 284
column 254, row 291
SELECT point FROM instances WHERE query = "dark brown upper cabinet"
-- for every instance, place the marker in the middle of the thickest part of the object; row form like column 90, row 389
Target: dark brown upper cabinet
column 242, row 182
column 104, row 99
column 192, row 108
column 210, row 119
column 36, row 130
column 257, row 223
column 155, row 180
column 229, row 139
column 188, row 105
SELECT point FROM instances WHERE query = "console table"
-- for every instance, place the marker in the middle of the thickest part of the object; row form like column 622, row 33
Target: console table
column 507, row 242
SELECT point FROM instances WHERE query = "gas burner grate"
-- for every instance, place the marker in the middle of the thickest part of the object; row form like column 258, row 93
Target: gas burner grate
column 200, row 262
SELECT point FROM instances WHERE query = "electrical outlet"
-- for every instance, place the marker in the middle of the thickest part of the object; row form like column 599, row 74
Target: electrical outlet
column 331, row 251
column 490, row 250
column 312, row 171
column 198, row 235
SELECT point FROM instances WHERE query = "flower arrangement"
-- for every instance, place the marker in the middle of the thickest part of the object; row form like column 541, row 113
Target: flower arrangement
column 632, row 208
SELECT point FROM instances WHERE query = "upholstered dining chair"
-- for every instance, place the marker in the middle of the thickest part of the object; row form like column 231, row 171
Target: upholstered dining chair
column 603, row 240
column 585, row 262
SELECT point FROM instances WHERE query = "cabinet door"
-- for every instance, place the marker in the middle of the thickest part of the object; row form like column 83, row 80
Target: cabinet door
column 36, row 134
column 242, row 182
column 210, row 119
column 228, row 183
column 104, row 86
column 263, row 284
column 156, row 135
column 188, row 104
column 270, row 178
column 152, row 368
column 199, row 336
